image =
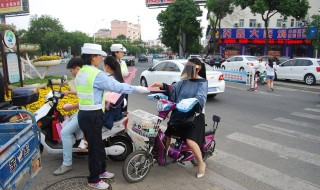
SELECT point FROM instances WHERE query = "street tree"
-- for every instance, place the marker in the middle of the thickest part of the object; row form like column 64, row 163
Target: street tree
column 316, row 23
column 40, row 27
column 76, row 41
column 179, row 26
column 122, row 37
column 220, row 9
column 268, row 8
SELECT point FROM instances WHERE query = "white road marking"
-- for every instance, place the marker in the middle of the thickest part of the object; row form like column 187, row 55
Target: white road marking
column 269, row 93
column 261, row 173
column 297, row 123
column 311, row 109
column 288, row 132
column 306, row 115
column 277, row 148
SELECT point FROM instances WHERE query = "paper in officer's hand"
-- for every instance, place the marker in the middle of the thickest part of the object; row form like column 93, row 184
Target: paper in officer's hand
column 112, row 97
column 132, row 74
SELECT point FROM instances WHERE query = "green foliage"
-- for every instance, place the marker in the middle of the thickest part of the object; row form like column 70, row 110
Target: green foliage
column 121, row 37
column 41, row 28
column 220, row 9
column 37, row 80
column 267, row 8
column 316, row 23
column 181, row 14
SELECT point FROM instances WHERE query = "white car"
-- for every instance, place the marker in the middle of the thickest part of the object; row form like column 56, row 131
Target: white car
column 196, row 56
column 300, row 69
column 169, row 71
column 243, row 63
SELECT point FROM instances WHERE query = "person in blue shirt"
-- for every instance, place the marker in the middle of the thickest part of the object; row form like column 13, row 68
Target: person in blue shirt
column 90, row 85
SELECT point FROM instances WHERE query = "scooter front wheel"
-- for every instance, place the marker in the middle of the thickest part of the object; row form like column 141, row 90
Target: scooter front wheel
column 136, row 166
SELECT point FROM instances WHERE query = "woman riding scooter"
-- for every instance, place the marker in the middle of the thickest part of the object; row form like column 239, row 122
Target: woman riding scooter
column 193, row 84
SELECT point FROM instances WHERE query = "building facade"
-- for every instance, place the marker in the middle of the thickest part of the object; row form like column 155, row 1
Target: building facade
column 130, row 30
column 103, row 33
column 244, row 33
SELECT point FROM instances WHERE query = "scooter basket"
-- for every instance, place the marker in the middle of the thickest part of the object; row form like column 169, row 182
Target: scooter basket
column 144, row 123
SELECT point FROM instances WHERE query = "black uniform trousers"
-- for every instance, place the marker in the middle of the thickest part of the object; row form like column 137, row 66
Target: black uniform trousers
column 90, row 123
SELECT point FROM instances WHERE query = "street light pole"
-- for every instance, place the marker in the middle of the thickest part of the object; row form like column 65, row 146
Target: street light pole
column 94, row 27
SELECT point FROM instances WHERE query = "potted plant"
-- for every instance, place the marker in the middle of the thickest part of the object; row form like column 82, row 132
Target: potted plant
column 45, row 61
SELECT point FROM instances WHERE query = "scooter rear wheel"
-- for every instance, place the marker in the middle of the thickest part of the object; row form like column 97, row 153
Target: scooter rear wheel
column 137, row 166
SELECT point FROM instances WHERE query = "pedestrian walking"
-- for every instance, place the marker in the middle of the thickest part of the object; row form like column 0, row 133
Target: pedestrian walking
column 270, row 68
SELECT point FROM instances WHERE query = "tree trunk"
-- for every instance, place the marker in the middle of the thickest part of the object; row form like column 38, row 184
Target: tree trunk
column 267, row 36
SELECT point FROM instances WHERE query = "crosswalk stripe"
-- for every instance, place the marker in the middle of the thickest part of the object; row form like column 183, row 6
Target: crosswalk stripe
column 222, row 181
column 310, row 116
column 297, row 123
column 288, row 132
column 264, row 174
column 311, row 109
column 277, row 148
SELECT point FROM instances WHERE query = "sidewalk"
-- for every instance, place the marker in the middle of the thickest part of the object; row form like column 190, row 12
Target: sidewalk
column 174, row 176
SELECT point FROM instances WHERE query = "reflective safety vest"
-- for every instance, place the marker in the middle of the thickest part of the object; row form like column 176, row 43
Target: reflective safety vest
column 124, row 68
column 84, row 86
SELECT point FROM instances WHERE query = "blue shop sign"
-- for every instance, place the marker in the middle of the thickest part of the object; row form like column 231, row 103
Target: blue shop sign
column 278, row 33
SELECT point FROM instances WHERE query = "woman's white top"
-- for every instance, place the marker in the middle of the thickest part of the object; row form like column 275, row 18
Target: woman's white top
column 270, row 70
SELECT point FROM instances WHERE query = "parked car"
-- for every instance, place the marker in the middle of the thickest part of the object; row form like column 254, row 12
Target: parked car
column 169, row 71
column 283, row 59
column 196, row 56
column 278, row 60
column 157, row 58
column 300, row 69
column 142, row 58
column 215, row 59
column 243, row 63
column 129, row 60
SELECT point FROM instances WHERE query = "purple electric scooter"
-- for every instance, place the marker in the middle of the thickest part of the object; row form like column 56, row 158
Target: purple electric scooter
column 138, row 164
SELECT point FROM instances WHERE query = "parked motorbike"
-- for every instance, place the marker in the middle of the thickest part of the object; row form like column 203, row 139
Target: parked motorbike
column 150, row 138
column 117, row 143
column 262, row 78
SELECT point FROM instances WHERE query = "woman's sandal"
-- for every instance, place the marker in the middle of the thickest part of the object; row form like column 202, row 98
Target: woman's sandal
column 201, row 171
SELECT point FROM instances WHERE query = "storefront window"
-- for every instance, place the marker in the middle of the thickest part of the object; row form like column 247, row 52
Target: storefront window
column 279, row 22
column 253, row 23
column 292, row 23
column 241, row 22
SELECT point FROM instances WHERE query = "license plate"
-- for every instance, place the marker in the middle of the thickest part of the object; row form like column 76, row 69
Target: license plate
column 212, row 89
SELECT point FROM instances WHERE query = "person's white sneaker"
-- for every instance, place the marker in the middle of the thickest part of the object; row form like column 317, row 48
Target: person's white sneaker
column 106, row 175
column 62, row 169
column 100, row 185
column 83, row 144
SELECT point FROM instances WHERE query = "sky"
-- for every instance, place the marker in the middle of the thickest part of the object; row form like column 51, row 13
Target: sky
column 90, row 16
